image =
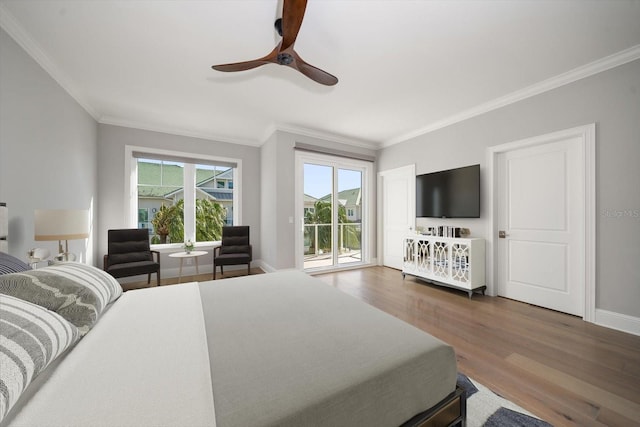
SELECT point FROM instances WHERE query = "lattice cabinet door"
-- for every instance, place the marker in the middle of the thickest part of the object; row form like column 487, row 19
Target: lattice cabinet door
column 409, row 254
column 440, row 259
column 423, row 256
column 460, row 263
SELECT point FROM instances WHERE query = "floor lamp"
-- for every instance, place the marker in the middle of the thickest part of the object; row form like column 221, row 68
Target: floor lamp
column 61, row 224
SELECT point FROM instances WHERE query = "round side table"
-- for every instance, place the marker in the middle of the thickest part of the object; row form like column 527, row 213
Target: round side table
column 183, row 255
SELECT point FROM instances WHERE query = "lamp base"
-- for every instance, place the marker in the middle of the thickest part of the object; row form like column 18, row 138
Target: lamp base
column 65, row 256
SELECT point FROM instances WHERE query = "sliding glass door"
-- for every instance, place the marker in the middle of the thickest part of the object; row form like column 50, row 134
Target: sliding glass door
column 349, row 216
column 333, row 211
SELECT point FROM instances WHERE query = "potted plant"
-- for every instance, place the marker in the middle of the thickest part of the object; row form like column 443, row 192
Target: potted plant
column 188, row 246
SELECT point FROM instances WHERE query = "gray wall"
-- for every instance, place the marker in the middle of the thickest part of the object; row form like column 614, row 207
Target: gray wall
column 111, row 153
column 278, row 162
column 48, row 146
column 611, row 100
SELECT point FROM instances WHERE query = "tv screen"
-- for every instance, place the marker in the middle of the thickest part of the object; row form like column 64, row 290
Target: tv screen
column 453, row 193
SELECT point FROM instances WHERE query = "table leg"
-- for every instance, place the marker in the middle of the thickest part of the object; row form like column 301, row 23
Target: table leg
column 197, row 272
column 180, row 272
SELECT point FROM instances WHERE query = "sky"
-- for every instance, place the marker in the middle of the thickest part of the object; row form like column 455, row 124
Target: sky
column 318, row 180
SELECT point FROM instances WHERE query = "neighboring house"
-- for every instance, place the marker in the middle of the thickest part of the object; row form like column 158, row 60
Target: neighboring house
column 219, row 188
column 309, row 204
column 160, row 184
column 352, row 202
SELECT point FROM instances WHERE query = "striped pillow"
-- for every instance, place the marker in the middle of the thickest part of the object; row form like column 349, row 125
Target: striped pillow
column 78, row 292
column 11, row 264
column 31, row 337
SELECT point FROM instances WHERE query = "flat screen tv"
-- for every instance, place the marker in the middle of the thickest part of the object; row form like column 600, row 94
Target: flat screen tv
column 453, row 193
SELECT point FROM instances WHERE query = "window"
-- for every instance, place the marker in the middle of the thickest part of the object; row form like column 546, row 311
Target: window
column 179, row 197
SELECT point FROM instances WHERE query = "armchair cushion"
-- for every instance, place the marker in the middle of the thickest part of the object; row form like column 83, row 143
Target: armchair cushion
column 234, row 249
column 132, row 256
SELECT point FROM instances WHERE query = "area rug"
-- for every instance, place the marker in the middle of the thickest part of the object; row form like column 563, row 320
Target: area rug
column 487, row 409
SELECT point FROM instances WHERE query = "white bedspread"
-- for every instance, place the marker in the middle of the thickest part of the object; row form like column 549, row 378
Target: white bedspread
column 152, row 368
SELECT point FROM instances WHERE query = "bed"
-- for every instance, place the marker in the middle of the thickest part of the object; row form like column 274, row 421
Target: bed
column 278, row 349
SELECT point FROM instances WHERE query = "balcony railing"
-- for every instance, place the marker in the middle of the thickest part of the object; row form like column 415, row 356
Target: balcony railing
column 318, row 238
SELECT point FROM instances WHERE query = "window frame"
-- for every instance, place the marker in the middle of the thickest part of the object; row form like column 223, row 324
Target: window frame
column 131, row 187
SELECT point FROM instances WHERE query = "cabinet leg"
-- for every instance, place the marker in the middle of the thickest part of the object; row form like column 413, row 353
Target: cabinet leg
column 470, row 294
column 403, row 276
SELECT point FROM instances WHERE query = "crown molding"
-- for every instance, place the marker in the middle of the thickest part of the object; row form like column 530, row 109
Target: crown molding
column 603, row 64
column 115, row 121
column 10, row 24
column 327, row 136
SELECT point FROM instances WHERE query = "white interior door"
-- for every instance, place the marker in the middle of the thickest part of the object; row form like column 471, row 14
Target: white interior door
column 541, row 214
column 398, row 211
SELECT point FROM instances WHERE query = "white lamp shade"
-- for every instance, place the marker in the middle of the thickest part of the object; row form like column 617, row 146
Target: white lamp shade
column 61, row 224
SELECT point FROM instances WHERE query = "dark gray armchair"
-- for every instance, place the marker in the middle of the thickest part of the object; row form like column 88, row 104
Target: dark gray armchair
column 236, row 248
column 129, row 254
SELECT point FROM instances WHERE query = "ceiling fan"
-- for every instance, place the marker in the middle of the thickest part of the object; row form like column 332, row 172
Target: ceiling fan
column 284, row 54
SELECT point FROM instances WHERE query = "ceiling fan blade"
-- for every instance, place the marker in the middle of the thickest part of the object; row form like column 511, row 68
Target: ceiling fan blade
column 314, row 73
column 292, row 16
column 239, row 66
column 272, row 57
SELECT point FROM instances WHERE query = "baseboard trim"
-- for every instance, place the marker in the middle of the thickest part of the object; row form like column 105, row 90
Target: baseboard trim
column 264, row 266
column 618, row 321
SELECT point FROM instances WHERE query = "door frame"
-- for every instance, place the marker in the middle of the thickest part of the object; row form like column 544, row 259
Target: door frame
column 368, row 228
column 587, row 135
column 409, row 170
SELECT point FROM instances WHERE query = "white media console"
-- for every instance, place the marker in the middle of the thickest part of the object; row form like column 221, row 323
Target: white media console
column 454, row 262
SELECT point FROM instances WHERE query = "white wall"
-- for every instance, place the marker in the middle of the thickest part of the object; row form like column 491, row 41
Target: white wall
column 611, row 100
column 48, row 145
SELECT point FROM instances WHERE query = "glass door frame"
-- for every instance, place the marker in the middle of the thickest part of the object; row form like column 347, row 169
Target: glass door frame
column 368, row 220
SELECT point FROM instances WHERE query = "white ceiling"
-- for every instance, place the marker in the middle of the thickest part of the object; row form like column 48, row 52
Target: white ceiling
column 405, row 67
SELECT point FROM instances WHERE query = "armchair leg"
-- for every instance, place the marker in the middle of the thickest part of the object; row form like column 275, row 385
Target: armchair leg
column 148, row 278
column 157, row 278
column 248, row 269
column 214, row 272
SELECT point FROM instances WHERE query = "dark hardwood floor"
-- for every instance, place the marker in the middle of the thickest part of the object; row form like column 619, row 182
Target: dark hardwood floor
column 564, row 370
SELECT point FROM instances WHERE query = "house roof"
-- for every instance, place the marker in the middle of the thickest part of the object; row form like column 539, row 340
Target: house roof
column 349, row 197
column 152, row 174
column 404, row 67
column 220, row 194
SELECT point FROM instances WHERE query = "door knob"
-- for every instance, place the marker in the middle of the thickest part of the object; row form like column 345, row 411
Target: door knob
column 502, row 234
